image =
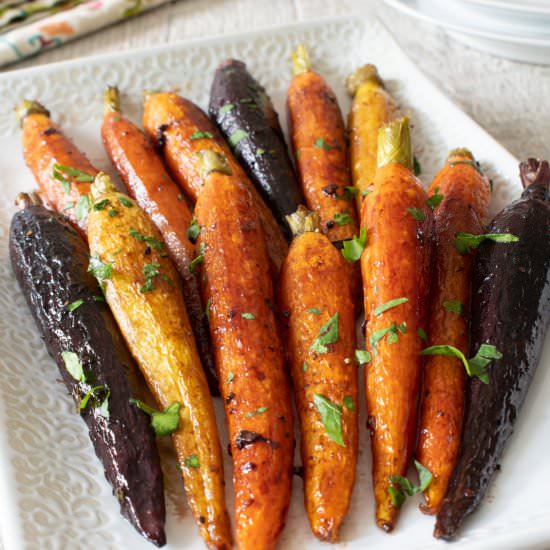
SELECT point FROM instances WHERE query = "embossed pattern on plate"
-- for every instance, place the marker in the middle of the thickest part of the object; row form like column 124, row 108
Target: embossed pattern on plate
column 52, row 491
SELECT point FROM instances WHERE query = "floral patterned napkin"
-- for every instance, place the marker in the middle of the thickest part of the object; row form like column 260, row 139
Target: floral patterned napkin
column 51, row 23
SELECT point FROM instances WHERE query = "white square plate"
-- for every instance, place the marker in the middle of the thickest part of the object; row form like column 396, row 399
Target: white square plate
column 53, row 493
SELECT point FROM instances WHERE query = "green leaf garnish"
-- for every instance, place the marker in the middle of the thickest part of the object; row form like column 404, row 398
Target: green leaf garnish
column 99, row 270
column 84, row 401
column 314, row 310
column 164, row 422
column 65, row 184
column 392, row 333
column 226, row 108
column 192, row 461
column 230, row 377
column 422, row 334
column 342, row 218
column 349, row 403
column 82, row 208
column 194, row 230
column 353, row 248
column 112, row 212
column 362, row 356
column 260, row 152
column 125, row 201
column 435, row 199
column 401, row 487
column 207, row 308
column 100, row 205
column 454, row 306
column 247, row 315
column 201, row 135
column 331, row 416
column 150, row 271
column 73, row 365
column 152, row 242
column 198, row 259
column 465, row 241
column 304, row 367
column 236, row 137
column 75, row 305
column 320, row 143
column 388, row 305
column 476, row 366
column 78, row 175
column 259, row 410
column 327, row 335
column 417, row 214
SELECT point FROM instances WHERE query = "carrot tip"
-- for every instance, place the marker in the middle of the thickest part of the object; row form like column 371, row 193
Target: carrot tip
column 460, row 152
column 394, row 144
column 300, row 60
column 29, row 107
column 111, row 100
column 366, row 73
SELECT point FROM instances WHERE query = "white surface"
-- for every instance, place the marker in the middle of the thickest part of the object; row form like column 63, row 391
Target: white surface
column 54, row 494
column 525, row 6
column 525, row 39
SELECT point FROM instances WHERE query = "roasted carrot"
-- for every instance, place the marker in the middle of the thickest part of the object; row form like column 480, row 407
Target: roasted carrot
column 238, row 286
column 187, row 139
column 395, row 266
column 320, row 316
column 318, row 138
column 140, row 284
column 372, row 107
column 147, row 181
column 63, row 173
column 464, row 194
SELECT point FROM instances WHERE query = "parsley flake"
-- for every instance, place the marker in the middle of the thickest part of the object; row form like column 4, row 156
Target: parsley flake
column 259, row 410
column 82, row 208
column 247, row 315
column 163, row 422
column 353, row 248
column 125, row 201
column 435, row 199
column 153, row 242
column 236, row 137
column 388, row 305
column 331, row 416
column 417, row 169
column 417, row 214
column 401, row 487
column 198, row 259
column 230, row 377
column 201, row 135
column 75, row 305
column 191, row 461
column 466, row 241
column 194, row 230
column 73, row 365
column 422, row 334
column 327, row 335
column 342, row 218
column 320, row 143
column 100, row 205
column 314, row 310
column 226, row 108
column 362, row 356
column 71, row 172
column 349, row 403
column 101, row 271
column 454, row 306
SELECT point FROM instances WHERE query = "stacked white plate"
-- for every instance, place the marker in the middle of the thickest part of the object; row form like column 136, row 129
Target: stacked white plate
column 517, row 29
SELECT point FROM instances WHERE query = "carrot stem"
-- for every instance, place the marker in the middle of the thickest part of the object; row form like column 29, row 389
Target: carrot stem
column 394, row 144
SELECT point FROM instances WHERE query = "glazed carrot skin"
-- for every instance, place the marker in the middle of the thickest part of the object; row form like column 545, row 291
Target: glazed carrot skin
column 44, row 145
column 466, row 193
column 182, row 133
column 148, row 306
column 319, row 143
column 372, row 106
column 395, row 264
column 310, row 293
column 249, row 358
column 147, row 181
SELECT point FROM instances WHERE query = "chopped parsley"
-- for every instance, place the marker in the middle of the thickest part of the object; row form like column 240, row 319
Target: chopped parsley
column 112, row 212
column 417, row 214
column 84, row 401
column 466, row 241
column 71, row 172
column 391, row 332
column 304, row 367
column 454, row 306
column 73, row 365
column 353, row 248
column 260, row 152
column 435, row 199
column 198, row 259
column 125, row 201
column 230, row 377
column 163, row 422
column 201, row 135
column 327, row 335
column 314, row 310
column 349, row 403
column 194, row 230
column 331, row 416
column 150, row 271
column 476, row 366
column 342, row 218
column 388, row 305
column 75, row 305
column 82, row 208
column 226, row 108
column 247, row 315
column 192, row 461
column 401, row 487
column 259, row 410
column 236, row 137
column 320, row 143
column 152, row 242
column 101, row 271
column 207, row 308
column 422, row 334
column 100, row 205
column 362, row 356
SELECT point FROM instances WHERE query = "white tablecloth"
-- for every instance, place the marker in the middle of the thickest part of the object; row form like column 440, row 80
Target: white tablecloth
column 510, row 100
